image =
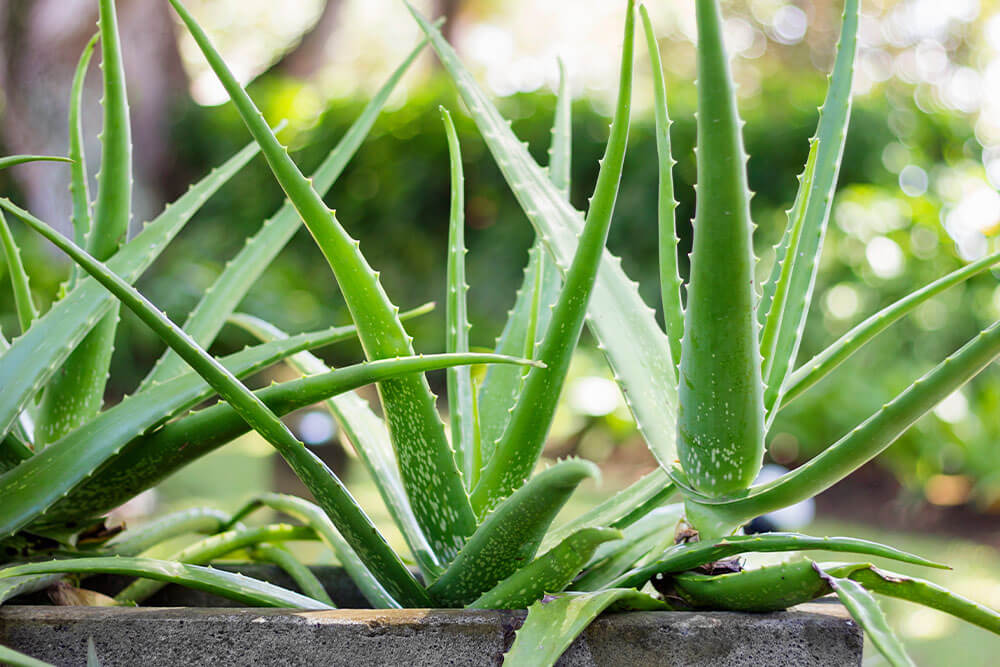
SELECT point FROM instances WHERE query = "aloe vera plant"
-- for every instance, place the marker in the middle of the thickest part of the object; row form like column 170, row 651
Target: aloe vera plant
column 476, row 516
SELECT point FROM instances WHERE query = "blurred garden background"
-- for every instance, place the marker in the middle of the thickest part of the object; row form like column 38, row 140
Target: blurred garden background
column 918, row 198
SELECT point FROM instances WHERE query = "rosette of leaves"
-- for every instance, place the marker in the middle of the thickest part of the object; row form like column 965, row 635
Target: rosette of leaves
column 476, row 515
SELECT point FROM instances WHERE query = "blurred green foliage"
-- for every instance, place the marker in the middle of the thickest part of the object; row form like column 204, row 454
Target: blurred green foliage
column 394, row 197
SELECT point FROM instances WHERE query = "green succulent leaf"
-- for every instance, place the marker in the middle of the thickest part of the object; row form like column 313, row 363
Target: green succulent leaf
column 314, row 517
column 549, row 573
column 683, row 557
column 865, row 610
column 206, row 550
column 524, row 436
column 804, row 257
column 641, row 360
column 17, row 659
column 328, row 490
column 426, row 459
column 826, row 361
column 670, row 279
column 720, row 428
column 76, row 393
column 303, row 577
column 221, row 299
column 509, row 536
column 134, row 541
column 459, row 380
column 34, row 357
column 11, row 160
column 614, row 510
column 553, row 623
column 79, row 189
column 218, row 582
column 862, row 444
column 368, row 436
column 926, row 593
column 23, row 302
column 769, row 588
column 148, row 459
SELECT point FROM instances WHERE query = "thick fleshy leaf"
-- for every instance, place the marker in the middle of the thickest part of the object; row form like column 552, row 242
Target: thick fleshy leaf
column 459, row 380
column 133, row 542
column 206, row 550
column 9, row 656
column 508, row 538
column 720, row 424
column 23, row 301
column 79, row 188
column 303, row 577
column 553, row 623
column 683, row 557
column 76, row 393
column 865, row 610
column 367, row 434
column 640, row 360
column 549, row 573
column 826, row 361
column 328, row 490
column 218, row 582
column 426, row 459
column 830, row 136
column 34, row 357
column 523, row 438
column 670, row 279
column 862, row 444
column 148, row 459
column 221, row 299
column 314, row 517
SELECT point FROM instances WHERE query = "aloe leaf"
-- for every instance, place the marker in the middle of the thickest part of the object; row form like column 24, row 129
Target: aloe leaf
column 23, row 302
column 862, row 444
column 670, row 279
column 641, row 360
column 29, row 583
column 328, row 490
column 553, row 623
column 524, row 436
column 206, row 550
column 826, row 361
column 683, row 557
column 221, row 299
column 148, row 459
column 830, row 136
column 79, row 189
column 865, row 610
column 303, row 577
column 923, row 592
column 9, row 656
column 34, row 357
column 549, row 573
column 317, row 521
column 11, row 160
column 720, row 429
column 92, row 660
column 134, row 541
column 13, row 450
column 47, row 476
column 648, row 535
column 426, row 460
column 459, row 380
column 508, row 538
column 614, row 509
column 76, row 393
column 218, row 582
column 529, row 319
column 369, row 438
column 768, row 588
column 776, row 290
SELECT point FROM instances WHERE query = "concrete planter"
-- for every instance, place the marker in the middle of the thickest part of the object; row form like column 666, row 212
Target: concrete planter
column 814, row 634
